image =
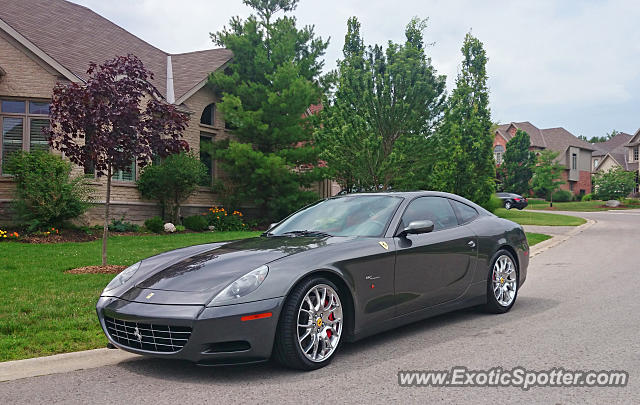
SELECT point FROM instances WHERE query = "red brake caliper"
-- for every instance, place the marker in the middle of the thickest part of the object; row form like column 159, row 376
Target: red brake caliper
column 326, row 303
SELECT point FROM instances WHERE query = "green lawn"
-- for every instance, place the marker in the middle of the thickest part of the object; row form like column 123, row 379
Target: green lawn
column 44, row 311
column 538, row 218
column 535, row 238
column 584, row 206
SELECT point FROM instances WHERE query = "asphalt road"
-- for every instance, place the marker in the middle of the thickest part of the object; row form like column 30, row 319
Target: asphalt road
column 579, row 309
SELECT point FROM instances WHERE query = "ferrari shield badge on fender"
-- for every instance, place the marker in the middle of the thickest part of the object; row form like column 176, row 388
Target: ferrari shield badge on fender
column 384, row 245
column 150, row 295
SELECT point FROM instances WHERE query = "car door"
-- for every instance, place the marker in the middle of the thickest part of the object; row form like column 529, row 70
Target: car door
column 435, row 267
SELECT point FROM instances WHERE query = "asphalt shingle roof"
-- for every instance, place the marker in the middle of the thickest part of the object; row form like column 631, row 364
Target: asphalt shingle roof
column 74, row 36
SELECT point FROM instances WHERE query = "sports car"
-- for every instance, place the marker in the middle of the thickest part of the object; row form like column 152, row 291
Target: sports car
column 338, row 270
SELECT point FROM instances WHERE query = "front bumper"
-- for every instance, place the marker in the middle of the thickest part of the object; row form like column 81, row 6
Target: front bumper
column 218, row 334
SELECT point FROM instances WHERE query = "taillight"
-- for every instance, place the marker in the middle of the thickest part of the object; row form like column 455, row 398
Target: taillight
column 516, row 199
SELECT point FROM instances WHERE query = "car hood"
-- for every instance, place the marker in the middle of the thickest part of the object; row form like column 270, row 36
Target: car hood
column 215, row 266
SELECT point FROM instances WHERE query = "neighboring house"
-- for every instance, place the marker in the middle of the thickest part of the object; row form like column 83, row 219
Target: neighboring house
column 574, row 153
column 44, row 42
column 622, row 150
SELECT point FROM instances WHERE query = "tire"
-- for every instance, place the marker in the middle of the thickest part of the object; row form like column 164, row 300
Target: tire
column 287, row 349
column 509, row 286
column 507, row 205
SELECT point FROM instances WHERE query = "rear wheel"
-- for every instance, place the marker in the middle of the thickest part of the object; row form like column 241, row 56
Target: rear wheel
column 502, row 284
column 507, row 205
column 310, row 326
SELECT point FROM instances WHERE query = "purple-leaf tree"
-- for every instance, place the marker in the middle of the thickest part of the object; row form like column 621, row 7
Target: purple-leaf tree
column 115, row 118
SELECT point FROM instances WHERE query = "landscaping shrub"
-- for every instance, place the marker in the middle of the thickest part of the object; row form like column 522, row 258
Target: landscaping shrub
column 180, row 228
column 155, row 224
column 172, row 181
column 196, row 223
column 613, row 184
column 223, row 220
column 562, row 196
column 46, row 194
column 121, row 225
column 587, row 197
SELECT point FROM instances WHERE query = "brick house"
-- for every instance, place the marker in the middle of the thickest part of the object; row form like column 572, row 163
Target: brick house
column 43, row 42
column 622, row 150
column 574, row 153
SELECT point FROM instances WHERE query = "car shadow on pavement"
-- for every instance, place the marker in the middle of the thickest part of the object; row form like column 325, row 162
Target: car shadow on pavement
column 467, row 323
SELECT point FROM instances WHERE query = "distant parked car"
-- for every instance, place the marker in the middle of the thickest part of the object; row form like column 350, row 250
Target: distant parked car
column 511, row 200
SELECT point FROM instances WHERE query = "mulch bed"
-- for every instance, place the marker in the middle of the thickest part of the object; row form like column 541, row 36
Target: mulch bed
column 108, row 269
column 67, row 235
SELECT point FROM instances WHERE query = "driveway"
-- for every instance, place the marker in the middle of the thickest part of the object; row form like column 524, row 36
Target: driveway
column 579, row 309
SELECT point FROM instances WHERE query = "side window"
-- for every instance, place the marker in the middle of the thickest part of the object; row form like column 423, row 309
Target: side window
column 435, row 209
column 465, row 213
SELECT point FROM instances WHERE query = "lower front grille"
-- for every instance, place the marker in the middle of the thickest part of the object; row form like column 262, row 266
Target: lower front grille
column 147, row 336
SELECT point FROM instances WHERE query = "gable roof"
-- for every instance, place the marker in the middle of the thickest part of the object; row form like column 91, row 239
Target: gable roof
column 621, row 160
column 534, row 132
column 616, row 142
column 635, row 140
column 191, row 69
column 558, row 139
column 73, row 36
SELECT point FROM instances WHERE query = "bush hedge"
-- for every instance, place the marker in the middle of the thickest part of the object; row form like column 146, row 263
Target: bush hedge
column 562, row 196
column 196, row 223
column 155, row 224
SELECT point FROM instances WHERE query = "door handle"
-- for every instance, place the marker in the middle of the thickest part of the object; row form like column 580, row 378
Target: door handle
column 471, row 244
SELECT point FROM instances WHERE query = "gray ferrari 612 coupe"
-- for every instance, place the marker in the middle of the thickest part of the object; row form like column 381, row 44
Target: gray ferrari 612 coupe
column 340, row 269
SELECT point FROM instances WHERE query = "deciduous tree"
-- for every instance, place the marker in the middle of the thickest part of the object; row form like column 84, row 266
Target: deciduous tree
column 547, row 175
column 114, row 119
column 613, row 184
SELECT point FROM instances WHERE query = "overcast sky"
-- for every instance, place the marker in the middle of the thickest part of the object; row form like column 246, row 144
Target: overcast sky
column 574, row 64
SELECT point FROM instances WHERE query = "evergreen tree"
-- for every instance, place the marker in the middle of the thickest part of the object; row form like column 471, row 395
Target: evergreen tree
column 465, row 163
column 518, row 163
column 266, row 91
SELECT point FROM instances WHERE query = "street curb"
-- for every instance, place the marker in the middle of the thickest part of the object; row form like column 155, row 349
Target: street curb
column 63, row 363
column 556, row 240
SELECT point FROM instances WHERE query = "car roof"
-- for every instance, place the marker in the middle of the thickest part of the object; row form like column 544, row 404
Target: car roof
column 419, row 193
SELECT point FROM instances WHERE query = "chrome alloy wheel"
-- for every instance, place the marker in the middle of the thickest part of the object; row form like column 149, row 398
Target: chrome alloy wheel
column 505, row 280
column 319, row 323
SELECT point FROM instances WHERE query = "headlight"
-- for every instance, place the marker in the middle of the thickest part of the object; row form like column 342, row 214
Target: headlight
column 123, row 277
column 242, row 286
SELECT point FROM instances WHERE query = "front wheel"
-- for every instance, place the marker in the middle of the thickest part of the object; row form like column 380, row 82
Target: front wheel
column 502, row 284
column 310, row 326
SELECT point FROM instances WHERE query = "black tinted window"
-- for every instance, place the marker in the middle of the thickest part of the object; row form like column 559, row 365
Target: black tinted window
column 465, row 212
column 435, row 209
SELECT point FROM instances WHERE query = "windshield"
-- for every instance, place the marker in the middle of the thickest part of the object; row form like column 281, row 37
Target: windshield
column 362, row 215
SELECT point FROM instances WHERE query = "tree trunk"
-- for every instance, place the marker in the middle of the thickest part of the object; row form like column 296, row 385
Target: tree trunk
column 105, row 230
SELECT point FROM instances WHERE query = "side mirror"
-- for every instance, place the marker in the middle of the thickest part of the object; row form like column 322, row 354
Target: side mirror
column 416, row 227
column 272, row 225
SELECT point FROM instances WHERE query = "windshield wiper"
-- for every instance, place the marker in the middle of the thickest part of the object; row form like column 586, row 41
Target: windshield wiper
column 307, row 233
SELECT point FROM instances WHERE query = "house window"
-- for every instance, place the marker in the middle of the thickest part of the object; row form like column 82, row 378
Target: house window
column 635, row 154
column 571, row 184
column 595, row 163
column 574, row 161
column 208, row 116
column 22, row 123
column 205, row 142
column 498, row 151
column 126, row 175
